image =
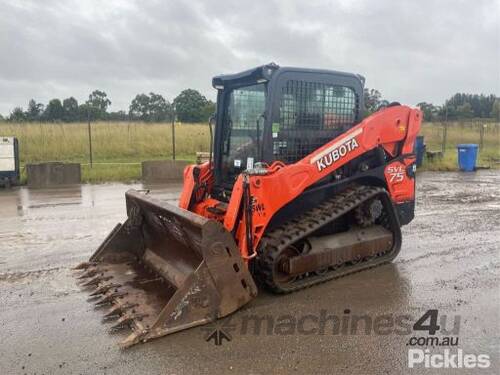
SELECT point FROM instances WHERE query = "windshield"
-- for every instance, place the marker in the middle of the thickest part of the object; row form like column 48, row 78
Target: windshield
column 243, row 129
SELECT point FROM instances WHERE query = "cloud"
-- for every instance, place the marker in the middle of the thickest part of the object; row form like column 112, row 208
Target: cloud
column 411, row 51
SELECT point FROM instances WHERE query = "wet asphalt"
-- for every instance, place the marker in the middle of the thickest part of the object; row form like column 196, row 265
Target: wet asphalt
column 449, row 262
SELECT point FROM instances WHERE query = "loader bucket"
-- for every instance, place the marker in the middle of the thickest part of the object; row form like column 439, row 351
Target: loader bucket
column 165, row 269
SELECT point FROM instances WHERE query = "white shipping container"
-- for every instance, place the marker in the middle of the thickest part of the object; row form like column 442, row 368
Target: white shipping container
column 7, row 154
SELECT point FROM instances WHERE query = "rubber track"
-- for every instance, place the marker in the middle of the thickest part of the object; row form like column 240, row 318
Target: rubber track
column 299, row 228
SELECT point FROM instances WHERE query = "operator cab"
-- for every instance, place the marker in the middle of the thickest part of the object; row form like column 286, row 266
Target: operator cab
column 279, row 113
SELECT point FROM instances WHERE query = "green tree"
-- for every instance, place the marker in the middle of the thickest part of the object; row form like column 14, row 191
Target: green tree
column 430, row 111
column 448, row 112
column 99, row 102
column 99, row 99
column 209, row 109
column 89, row 112
column 462, row 105
column 17, row 115
column 159, row 108
column 152, row 107
column 70, row 107
column 465, row 111
column 34, row 111
column 495, row 109
column 373, row 99
column 118, row 116
column 54, row 111
column 139, row 108
column 190, row 106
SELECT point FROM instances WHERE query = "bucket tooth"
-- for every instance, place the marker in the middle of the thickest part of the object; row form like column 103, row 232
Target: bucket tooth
column 117, row 310
column 92, row 298
column 146, row 281
column 106, row 319
column 132, row 339
column 121, row 323
column 108, row 298
column 104, row 288
column 84, row 265
column 89, row 273
column 96, row 280
column 118, row 326
column 126, row 320
column 93, row 281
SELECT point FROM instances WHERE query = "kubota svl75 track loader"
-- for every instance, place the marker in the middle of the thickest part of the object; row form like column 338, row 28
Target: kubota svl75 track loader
column 301, row 189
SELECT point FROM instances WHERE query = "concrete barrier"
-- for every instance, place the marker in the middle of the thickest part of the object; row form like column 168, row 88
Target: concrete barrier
column 202, row 157
column 156, row 171
column 53, row 174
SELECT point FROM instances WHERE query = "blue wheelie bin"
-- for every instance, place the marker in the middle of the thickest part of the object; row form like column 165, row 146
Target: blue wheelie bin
column 467, row 155
column 419, row 150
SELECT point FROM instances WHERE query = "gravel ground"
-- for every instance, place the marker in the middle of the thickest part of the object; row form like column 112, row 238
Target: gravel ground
column 449, row 262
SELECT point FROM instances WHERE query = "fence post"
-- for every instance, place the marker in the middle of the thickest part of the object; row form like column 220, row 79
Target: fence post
column 445, row 131
column 90, row 136
column 481, row 134
column 173, row 134
column 128, row 130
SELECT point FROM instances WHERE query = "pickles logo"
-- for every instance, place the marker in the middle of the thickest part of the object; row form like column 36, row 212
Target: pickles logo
column 447, row 359
column 336, row 151
column 434, row 323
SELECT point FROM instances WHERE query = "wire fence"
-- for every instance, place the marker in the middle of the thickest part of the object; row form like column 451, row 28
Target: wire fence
column 443, row 136
column 118, row 148
column 110, row 142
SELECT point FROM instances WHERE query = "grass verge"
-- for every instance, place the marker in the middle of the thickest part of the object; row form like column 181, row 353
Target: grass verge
column 118, row 148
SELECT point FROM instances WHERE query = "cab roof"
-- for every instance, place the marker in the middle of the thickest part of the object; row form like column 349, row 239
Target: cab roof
column 265, row 72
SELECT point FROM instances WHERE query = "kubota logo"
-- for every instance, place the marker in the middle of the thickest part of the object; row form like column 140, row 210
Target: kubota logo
column 336, row 151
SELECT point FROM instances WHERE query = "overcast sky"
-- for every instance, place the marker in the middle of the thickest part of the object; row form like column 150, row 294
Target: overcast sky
column 411, row 51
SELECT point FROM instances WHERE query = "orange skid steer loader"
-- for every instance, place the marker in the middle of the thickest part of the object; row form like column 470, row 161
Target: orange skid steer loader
column 301, row 189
